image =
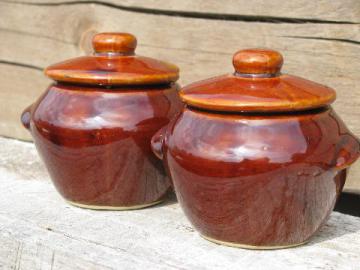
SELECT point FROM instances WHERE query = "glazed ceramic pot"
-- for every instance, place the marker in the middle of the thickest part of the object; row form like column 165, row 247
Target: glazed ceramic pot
column 93, row 126
column 258, row 158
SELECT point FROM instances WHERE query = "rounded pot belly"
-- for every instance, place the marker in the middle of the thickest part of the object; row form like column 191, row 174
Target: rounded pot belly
column 254, row 181
column 279, row 208
column 120, row 173
column 96, row 144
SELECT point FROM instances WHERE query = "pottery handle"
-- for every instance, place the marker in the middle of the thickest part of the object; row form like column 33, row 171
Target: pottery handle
column 157, row 142
column 26, row 117
column 348, row 154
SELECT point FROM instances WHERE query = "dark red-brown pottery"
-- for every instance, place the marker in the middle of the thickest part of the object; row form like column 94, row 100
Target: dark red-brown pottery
column 257, row 158
column 93, row 126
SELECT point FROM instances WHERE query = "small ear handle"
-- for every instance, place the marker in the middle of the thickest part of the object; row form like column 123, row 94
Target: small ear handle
column 348, row 153
column 157, row 142
column 26, row 117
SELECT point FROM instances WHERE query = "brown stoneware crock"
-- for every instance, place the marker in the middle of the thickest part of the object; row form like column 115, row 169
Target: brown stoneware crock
column 93, row 126
column 257, row 158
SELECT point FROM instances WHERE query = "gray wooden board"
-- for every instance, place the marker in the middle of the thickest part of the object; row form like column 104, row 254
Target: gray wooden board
column 38, row 230
column 34, row 36
column 321, row 10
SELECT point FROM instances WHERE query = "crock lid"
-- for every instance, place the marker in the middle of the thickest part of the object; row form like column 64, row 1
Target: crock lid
column 257, row 86
column 113, row 63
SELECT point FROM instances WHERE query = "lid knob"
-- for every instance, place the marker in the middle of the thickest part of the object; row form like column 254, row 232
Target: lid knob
column 257, row 61
column 122, row 43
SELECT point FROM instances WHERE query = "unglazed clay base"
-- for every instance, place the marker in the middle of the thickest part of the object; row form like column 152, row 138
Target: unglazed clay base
column 119, row 208
column 231, row 244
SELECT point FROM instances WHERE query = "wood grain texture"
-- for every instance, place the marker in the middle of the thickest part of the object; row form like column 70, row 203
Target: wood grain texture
column 35, row 36
column 321, row 11
column 38, row 230
column 18, row 90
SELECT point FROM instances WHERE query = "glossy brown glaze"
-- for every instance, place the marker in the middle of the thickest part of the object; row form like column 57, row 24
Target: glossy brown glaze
column 96, row 143
column 240, row 94
column 123, row 43
column 264, row 90
column 257, row 61
column 94, row 135
column 255, row 180
column 114, row 63
column 264, row 164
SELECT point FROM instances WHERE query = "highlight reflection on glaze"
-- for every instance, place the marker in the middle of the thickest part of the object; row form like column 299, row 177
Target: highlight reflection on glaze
column 258, row 181
column 258, row 158
column 93, row 126
column 96, row 144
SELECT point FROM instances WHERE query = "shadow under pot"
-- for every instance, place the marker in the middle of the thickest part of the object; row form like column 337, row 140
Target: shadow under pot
column 257, row 158
column 93, row 126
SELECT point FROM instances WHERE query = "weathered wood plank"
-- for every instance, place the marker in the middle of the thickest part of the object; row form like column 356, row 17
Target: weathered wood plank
column 60, row 24
column 38, row 230
column 353, row 180
column 33, row 37
column 70, row 23
column 19, row 88
column 277, row 10
column 59, row 32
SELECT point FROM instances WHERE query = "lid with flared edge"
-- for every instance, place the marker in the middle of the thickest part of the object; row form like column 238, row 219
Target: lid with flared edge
column 257, row 86
column 114, row 63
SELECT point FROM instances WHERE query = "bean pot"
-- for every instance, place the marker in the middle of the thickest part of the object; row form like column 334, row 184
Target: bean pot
column 257, row 158
column 93, row 126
